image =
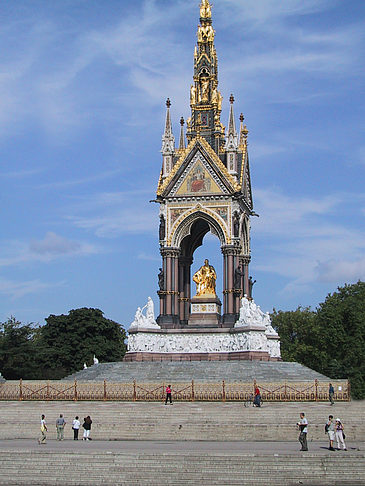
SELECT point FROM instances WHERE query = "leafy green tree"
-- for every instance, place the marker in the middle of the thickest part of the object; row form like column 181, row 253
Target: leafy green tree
column 67, row 341
column 341, row 321
column 330, row 340
column 18, row 349
column 298, row 335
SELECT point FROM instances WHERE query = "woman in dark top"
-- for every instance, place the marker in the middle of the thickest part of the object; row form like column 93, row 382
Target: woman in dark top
column 87, row 427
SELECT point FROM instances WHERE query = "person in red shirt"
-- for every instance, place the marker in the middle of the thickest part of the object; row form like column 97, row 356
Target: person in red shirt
column 168, row 394
column 257, row 399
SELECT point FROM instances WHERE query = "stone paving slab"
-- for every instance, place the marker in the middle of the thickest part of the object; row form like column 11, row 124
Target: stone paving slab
column 215, row 448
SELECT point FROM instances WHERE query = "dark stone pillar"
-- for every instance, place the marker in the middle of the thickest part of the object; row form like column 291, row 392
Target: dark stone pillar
column 169, row 316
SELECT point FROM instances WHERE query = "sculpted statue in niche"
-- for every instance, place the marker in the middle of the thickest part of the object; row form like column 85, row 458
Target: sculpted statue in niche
column 204, row 90
column 192, row 95
column 161, row 282
column 236, row 224
column 205, row 279
column 238, row 274
column 162, row 228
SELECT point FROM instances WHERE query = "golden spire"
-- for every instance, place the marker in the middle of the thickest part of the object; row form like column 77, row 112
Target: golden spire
column 205, row 10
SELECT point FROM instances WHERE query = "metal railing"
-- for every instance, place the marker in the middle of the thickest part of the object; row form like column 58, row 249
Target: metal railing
column 189, row 391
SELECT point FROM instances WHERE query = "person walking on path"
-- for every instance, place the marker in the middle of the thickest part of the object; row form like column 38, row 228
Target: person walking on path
column 331, row 392
column 76, row 427
column 303, row 427
column 60, row 427
column 330, row 429
column 340, row 436
column 257, row 399
column 87, row 427
column 168, row 394
column 42, row 438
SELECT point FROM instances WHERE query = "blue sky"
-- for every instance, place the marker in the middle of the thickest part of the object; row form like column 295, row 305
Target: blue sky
column 83, row 85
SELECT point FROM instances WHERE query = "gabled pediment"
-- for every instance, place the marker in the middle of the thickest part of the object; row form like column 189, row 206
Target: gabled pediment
column 199, row 171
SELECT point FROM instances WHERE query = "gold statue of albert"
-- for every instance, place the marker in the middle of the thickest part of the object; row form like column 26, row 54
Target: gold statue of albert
column 205, row 279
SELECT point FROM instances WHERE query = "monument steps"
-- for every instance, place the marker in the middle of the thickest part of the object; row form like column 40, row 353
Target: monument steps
column 53, row 468
column 182, row 421
column 200, row 371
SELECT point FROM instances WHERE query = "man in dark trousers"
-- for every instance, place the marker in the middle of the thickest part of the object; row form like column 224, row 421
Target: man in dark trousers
column 303, row 427
column 168, row 394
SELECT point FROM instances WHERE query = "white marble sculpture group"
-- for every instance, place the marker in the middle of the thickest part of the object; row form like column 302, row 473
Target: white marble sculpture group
column 252, row 332
column 145, row 321
column 251, row 314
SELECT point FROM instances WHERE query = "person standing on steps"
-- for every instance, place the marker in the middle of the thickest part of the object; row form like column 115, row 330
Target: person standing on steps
column 76, row 427
column 60, row 427
column 340, row 436
column 303, row 427
column 330, row 429
column 331, row 392
column 168, row 394
column 42, row 439
column 87, row 427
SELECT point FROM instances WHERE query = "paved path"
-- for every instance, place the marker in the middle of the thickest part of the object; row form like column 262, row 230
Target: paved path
column 158, row 446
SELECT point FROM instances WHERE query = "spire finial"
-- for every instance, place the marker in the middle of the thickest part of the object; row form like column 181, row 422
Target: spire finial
column 231, row 99
column 168, row 140
column 205, row 10
column 182, row 137
column 241, row 117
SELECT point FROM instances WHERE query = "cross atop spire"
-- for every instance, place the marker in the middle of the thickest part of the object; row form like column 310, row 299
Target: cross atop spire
column 232, row 134
column 182, row 137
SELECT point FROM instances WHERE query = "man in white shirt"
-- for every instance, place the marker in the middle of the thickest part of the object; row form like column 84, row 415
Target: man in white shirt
column 42, row 439
column 303, row 427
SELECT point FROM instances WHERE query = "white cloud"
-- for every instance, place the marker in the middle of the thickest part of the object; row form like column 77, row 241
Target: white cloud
column 303, row 239
column 16, row 290
column 115, row 213
column 341, row 270
column 50, row 248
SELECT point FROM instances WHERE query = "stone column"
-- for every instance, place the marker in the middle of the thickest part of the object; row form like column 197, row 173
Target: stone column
column 169, row 316
column 245, row 262
column 229, row 311
column 184, row 287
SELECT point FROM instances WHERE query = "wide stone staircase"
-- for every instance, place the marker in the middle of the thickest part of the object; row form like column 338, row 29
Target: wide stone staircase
column 201, row 371
column 203, row 443
column 183, row 420
column 109, row 469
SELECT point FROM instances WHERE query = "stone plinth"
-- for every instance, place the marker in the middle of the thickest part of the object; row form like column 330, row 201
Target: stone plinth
column 202, row 344
column 205, row 312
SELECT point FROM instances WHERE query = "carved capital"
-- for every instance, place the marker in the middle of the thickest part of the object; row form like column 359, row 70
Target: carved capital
column 230, row 250
column 170, row 251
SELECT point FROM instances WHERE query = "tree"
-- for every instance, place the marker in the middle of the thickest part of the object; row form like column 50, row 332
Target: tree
column 18, row 349
column 330, row 340
column 67, row 341
column 341, row 320
column 298, row 335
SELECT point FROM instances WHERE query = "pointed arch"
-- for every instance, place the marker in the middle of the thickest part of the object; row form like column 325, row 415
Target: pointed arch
column 186, row 228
